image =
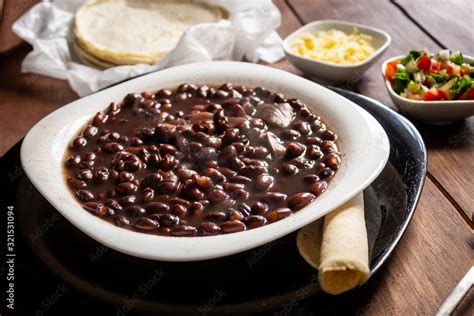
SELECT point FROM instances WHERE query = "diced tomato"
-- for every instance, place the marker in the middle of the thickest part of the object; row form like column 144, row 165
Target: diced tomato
column 468, row 95
column 444, row 91
column 424, row 62
column 391, row 69
column 435, row 65
column 453, row 69
column 442, row 95
column 431, row 95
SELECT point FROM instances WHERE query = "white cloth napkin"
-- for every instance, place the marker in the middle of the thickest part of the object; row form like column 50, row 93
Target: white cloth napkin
column 249, row 33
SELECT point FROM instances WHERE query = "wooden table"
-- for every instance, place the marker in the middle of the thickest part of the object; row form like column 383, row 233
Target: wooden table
column 436, row 250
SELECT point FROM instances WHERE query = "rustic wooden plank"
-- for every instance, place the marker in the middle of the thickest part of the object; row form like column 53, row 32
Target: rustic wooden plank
column 10, row 11
column 429, row 261
column 26, row 98
column 451, row 161
column 448, row 163
column 289, row 23
column 449, row 22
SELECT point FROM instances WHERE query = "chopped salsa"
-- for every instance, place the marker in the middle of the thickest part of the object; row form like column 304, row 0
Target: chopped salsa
column 420, row 75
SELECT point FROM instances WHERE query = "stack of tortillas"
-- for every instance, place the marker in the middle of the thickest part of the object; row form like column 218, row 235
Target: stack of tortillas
column 337, row 246
column 126, row 32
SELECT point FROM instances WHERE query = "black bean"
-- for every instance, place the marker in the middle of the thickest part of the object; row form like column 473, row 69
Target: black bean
column 328, row 146
column 315, row 152
column 77, row 183
column 146, row 223
column 90, row 131
column 85, row 174
column 278, row 214
column 121, row 220
column 169, row 220
column 328, row 135
column 152, row 180
column 85, row 195
column 240, row 179
column 216, row 196
column 228, row 186
column 126, row 188
column 195, row 194
column 240, row 194
column 294, row 150
column 216, row 216
column 209, row 229
column 228, row 153
column 259, row 208
column 168, row 162
column 254, row 221
column 299, row 200
column 135, row 211
column 274, row 197
column 157, row 207
column 289, row 168
column 132, row 99
column 112, row 147
column 313, row 140
column 319, row 187
column 88, row 156
column 101, row 174
column 79, row 142
column 73, row 161
column 232, row 226
column 113, row 204
column 253, row 171
column 98, row 209
column 214, row 174
column 148, row 194
column 204, row 183
column 125, row 176
column 184, row 231
column 127, row 200
column 311, row 178
column 100, row 119
column 326, row 173
column 235, row 215
column 168, row 149
column 333, row 161
column 264, row 182
column 179, row 210
column 236, row 164
column 163, row 93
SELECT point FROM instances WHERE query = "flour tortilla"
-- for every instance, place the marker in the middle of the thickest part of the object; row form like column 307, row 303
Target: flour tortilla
column 337, row 246
column 123, row 32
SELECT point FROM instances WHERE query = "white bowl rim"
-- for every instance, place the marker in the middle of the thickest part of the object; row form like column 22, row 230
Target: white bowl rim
column 418, row 102
column 37, row 149
column 361, row 27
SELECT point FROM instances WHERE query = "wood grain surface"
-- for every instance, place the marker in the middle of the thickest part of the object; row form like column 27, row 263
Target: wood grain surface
column 436, row 250
column 451, row 147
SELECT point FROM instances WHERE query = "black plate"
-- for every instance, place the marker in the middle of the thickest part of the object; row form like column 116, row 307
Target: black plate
column 272, row 277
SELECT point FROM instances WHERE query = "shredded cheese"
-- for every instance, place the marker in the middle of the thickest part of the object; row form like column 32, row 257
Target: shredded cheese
column 334, row 46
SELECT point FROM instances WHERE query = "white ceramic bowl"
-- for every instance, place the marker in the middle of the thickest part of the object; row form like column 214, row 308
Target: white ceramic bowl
column 432, row 112
column 363, row 142
column 330, row 72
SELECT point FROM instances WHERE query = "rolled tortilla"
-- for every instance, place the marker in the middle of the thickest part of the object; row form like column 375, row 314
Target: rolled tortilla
column 340, row 252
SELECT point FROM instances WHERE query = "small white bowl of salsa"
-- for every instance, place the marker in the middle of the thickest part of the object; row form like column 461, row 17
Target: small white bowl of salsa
column 434, row 88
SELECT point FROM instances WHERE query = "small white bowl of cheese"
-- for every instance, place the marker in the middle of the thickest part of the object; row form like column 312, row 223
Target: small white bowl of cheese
column 333, row 51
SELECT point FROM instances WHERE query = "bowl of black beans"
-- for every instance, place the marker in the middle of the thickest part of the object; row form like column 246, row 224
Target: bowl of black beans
column 179, row 167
